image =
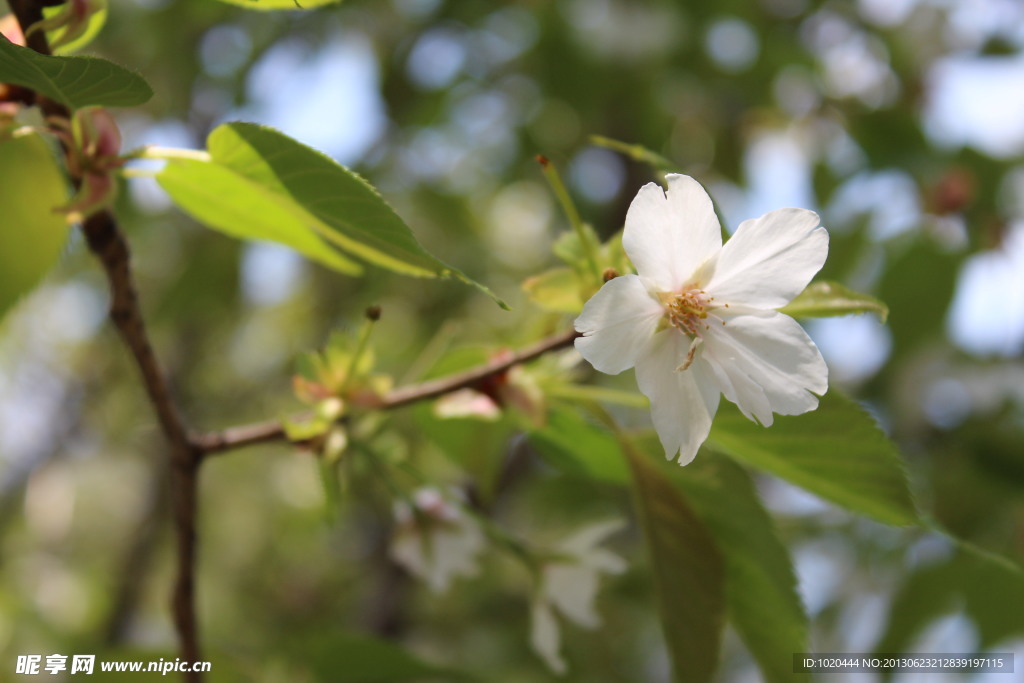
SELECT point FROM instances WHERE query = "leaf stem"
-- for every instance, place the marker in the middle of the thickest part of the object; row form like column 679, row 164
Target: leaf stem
column 554, row 179
column 157, row 152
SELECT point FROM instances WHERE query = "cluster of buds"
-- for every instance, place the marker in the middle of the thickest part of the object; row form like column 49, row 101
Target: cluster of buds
column 93, row 145
column 331, row 382
column 73, row 17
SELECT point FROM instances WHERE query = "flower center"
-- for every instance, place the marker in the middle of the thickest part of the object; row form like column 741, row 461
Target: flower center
column 688, row 310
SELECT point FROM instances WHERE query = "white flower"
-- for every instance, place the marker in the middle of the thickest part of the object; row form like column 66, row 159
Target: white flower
column 699, row 318
column 436, row 541
column 571, row 586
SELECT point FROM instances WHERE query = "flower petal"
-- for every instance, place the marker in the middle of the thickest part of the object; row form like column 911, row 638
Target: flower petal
column 586, row 540
column 545, row 637
column 770, row 259
column 617, row 323
column 770, row 364
column 572, row 589
column 682, row 402
column 668, row 236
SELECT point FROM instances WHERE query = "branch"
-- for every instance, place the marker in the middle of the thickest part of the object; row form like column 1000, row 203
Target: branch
column 107, row 243
column 272, row 430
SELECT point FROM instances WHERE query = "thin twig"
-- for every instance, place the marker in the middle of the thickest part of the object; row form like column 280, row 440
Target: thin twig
column 234, row 438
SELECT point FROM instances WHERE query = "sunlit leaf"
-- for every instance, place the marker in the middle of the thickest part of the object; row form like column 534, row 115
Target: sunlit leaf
column 824, row 299
column 74, row 81
column 836, row 452
column 261, row 184
column 688, row 571
column 229, row 202
column 760, row 583
column 32, row 234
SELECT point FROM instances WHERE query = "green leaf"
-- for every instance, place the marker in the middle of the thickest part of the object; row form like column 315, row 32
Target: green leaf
column 824, row 299
column 760, row 583
column 556, row 290
column 836, row 452
column 270, row 5
column 315, row 202
column 73, row 81
column 575, row 445
column 357, row 658
column 32, row 234
column 689, row 573
column 228, row 202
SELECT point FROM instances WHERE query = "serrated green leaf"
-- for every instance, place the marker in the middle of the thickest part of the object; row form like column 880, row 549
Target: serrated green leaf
column 237, row 206
column 760, row 582
column 271, row 5
column 575, row 445
column 836, row 452
column 32, row 234
column 689, row 573
column 73, row 81
column 825, row 299
column 556, row 290
column 315, row 202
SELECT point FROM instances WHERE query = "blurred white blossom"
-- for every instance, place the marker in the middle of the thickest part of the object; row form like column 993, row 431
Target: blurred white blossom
column 570, row 585
column 436, row 539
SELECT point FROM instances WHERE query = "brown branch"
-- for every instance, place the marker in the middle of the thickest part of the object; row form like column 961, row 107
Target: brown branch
column 234, row 438
column 107, row 243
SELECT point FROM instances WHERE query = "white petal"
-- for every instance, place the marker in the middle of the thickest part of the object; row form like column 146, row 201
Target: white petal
column 447, row 547
column 617, row 323
column 669, row 235
column 454, row 552
column 682, row 402
column 775, row 354
column 545, row 636
column 586, row 539
column 572, row 589
column 770, row 259
column 739, row 388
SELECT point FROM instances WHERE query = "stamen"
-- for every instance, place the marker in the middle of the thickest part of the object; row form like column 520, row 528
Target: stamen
column 690, row 310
